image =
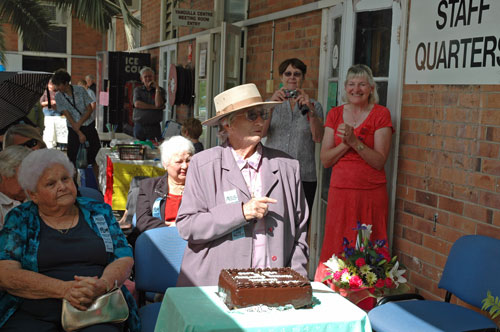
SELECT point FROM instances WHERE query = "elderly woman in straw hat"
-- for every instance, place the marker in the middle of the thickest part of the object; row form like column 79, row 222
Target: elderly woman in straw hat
column 243, row 204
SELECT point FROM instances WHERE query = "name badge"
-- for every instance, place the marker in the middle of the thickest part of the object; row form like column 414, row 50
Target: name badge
column 238, row 233
column 231, row 196
column 102, row 226
column 156, row 208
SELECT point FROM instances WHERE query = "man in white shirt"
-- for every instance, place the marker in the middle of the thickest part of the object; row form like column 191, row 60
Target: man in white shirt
column 11, row 194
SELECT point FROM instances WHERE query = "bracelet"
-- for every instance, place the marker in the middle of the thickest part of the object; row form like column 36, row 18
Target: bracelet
column 360, row 147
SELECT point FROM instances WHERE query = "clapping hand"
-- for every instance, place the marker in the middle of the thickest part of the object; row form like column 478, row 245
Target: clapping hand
column 346, row 133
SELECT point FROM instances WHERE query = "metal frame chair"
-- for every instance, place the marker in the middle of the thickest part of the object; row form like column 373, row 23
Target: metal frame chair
column 158, row 258
column 472, row 268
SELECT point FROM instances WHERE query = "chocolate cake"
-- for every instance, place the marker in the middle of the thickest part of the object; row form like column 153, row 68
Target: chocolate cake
column 273, row 287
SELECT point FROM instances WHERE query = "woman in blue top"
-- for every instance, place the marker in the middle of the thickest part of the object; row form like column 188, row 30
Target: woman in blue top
column 58, row 246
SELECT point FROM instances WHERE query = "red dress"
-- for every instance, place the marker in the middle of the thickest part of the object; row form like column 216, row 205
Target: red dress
column 357, row 191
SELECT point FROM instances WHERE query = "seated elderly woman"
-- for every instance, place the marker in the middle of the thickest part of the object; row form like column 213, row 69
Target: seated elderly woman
column 25, row 135
column 159, row 198
column 11, row 193
column 57, row 246
column 243, row 205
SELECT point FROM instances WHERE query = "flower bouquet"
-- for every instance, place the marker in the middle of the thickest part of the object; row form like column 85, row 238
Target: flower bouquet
column 366, row 271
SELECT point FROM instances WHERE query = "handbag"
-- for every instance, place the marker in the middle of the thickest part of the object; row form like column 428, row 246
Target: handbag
column 107, row 308
column 81, row 157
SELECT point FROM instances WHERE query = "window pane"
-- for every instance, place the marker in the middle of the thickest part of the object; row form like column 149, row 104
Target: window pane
column 335, row 56
column 382, row 93
column 54, row 42
column 373, row 40
column 47, row 64
column 234, row 10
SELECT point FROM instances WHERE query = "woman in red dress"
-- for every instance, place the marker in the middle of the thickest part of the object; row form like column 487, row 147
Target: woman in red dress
column 356, row 144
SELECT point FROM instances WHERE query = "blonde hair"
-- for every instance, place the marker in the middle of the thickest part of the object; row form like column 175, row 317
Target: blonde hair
column 361, row 70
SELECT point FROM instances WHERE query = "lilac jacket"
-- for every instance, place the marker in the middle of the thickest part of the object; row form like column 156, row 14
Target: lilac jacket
column 207, row 222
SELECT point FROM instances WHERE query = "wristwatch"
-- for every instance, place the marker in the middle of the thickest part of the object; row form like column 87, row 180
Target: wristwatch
column 360, row 147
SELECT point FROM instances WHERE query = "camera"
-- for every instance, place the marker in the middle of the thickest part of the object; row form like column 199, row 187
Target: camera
column 304, row 109
column 291, row 94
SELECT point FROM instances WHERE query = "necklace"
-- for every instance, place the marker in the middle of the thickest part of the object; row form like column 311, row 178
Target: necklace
column 63, row 231
column 361, row 116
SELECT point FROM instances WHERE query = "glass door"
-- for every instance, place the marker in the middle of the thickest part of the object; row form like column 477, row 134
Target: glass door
column 203, row 83
column 168, row 57
column 357, row 31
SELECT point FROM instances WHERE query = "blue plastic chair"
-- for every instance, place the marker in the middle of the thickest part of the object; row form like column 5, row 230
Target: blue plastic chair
column 472, row 268
column 158, row 258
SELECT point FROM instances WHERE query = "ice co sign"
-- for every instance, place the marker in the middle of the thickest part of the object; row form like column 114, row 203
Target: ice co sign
column 193, row 18
column 453, row 42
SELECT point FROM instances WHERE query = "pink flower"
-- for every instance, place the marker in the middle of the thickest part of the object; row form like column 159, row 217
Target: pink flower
column 337, row 275
column 380, row 283
column 388, row 282
column 360, row 262
column 355, row 282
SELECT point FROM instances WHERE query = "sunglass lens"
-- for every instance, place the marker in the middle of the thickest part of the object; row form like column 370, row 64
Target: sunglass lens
column 264, row 114
column 31, row 143
column 252, row 115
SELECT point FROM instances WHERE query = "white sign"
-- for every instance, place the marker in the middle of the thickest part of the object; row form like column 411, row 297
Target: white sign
column 453, row 42
column 193, row 18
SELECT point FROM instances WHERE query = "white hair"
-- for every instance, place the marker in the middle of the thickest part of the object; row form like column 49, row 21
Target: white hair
column 222, row 134
column 11, row 158
column 174, row 145
column 145, row 69
column 33, row 166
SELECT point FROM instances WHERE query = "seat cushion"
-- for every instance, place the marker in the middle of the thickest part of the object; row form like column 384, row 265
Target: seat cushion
column 148, row 315
column 429, row 316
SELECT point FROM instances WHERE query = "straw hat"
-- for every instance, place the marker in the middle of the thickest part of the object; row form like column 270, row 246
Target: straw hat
column 236, row 99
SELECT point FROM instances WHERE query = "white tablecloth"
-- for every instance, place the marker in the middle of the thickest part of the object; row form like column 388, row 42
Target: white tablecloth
column 56, row 131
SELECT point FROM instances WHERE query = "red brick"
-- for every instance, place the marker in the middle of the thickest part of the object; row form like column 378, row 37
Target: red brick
column 466, row 193
column 454, row 175
column 486, row 149
column 410, row 166
column 412, row 235
column 414, row 181
column 490, row 117
column 437, row 245
column 477, row 212
column 423, row 226
column 491, row 166
column 456, row 114
column 492, row 134
column 446, row 99
column 439, row 186
column 465, row 225
column 451, row 205
column 405, row 192
column 488, row 230
column 431, row 272
column 483, row 181
column 413, row 153
column 426, row 198
column 493, row 101
column 489, row 199
column 421, row 282
column 421, row 126
column 456, row 145
column 469, row 100
column 448, row 234
column 414, row 209
column 496, row 218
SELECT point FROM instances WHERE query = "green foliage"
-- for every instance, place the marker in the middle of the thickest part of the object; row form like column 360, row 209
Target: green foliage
column 492, row 305
column 29, row 17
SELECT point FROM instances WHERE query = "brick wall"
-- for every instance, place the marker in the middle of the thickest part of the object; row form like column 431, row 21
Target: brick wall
column 150, row 17
column 295, row 37
column 10, row 36
column 85, row 41
column 448, row 165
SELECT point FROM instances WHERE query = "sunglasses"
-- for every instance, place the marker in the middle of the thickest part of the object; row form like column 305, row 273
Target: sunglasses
column 295, row 74
column 30, row 144
column 253, row 114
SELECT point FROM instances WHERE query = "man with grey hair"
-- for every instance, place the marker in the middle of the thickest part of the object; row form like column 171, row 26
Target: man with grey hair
column 11, row 193
column 90, row 82
column 149, row 102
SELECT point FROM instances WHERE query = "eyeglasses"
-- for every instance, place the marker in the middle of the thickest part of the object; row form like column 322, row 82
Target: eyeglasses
column 295, row 74
column 253, row 114
column 30, row 144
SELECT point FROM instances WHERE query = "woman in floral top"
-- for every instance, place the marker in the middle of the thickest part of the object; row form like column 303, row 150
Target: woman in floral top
column 58, row 246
